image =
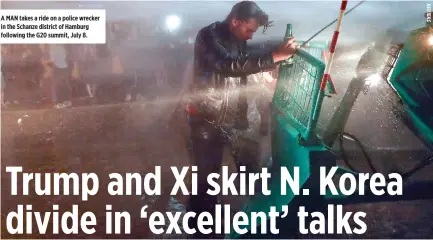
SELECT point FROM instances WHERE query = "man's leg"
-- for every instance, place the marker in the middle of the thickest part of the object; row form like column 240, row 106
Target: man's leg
column 66, row 85
column 3, row 85
column 54, row 80
column 90, row 87
column 263, row 105
column 62, row 88
column 128, row 87
column 2, row 95
column 246, row 153
column 207, row 152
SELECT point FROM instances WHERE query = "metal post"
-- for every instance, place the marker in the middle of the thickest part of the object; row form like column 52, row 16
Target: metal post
column 326, row 77
column 339, row 119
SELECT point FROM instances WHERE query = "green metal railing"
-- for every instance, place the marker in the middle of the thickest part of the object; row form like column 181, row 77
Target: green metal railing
column 297, row 92
column 295, row 112
column 295, row 108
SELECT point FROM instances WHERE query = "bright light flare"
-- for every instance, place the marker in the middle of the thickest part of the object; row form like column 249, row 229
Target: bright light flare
column 430, row 40
column 172, row 22
column 373, row 80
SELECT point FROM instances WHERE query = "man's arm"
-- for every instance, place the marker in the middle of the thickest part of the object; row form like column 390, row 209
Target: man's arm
column 215, row 58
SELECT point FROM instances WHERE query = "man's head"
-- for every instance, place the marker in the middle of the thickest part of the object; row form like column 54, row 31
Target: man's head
column 245, row 18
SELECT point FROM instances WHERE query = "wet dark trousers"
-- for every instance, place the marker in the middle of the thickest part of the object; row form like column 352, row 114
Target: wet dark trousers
column 61, row 90
column 206, row 150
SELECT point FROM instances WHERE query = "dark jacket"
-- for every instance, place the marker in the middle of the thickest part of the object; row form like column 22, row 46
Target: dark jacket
column 221, row 67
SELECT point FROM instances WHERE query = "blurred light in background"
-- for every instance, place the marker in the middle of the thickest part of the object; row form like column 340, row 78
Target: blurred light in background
column 172, row 22
column 191, row 40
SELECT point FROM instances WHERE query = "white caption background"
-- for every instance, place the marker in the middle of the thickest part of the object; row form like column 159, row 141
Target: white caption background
column 94, row 35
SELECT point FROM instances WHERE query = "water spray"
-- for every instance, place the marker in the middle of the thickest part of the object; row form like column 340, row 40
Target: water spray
column 323, row 29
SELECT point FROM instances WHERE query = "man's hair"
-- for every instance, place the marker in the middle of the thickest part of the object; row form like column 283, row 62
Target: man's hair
column 248, row 9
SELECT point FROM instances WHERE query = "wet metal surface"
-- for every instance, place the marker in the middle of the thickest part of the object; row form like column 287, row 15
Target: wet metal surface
column 376, row 122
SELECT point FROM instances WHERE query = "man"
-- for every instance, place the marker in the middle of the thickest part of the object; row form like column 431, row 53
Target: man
column 3, row 83
column 61, row 91
column 218, row 104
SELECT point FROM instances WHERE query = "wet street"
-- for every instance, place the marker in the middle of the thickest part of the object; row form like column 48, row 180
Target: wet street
column 120, row 138
column 136, row 137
